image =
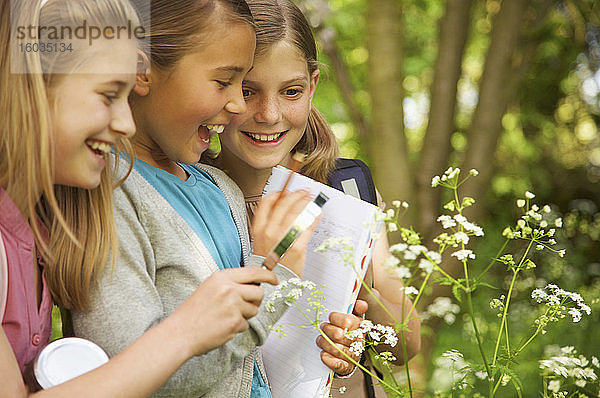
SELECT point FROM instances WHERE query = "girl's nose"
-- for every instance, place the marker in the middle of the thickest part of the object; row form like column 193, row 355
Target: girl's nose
column 122, row 121
column 236, row 104
column 268, row 112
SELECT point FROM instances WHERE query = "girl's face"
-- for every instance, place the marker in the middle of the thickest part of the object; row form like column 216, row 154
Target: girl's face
column 278, row 93
column 202, row 91
column 90, row 113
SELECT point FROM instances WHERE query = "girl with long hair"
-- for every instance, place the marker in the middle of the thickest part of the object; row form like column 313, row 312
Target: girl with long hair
column 282, row 120
column 63, row 111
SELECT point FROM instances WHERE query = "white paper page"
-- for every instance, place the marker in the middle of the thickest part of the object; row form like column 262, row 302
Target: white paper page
column 293, row 363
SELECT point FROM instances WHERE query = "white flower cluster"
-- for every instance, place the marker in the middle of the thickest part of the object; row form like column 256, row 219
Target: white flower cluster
column 407, row 255
column 374, row 333
column 569, row 365
column 536, row 224
column 449, row 174
column 288, row 292
column 557, row 299
column 462, row 229
column 463, row 254
column 442, row 307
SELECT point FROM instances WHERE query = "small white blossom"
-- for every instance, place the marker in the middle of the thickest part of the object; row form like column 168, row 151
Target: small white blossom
column 409, row 290
column 392, row 227
column 461, row 237
column 529, row 195
column 390, row 213
column 288, row 292
column 520, row 202
column 554, row 385
column 463, row 254
column 576, row 314
column 546, row 209
column 435, row 181
column 434, row 256
column 396, row 203
column 357, row 347
column 447, row 221
column 410, row 255
column 391, row 262
column 558, row 222
column 342, row 389
column 402, row 272
column 473, row 172
column 426, row 265
column 442, row 307
column 398, row 247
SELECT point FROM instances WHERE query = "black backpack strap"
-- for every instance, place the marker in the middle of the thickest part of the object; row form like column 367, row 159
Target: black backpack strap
column 353, row 177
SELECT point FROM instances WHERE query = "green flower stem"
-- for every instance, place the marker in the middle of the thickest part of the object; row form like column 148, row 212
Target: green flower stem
column 477, row 335
column 537, row 331
column 370, row 291
column 406, row 369
column 507, row 302
column 497, row 385
column 394, row 389
column 506, row 334
column 451, row 278
column 504, row 312
column 482, row 274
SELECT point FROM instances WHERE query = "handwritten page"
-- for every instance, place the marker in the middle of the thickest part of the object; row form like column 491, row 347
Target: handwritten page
column 293, row 362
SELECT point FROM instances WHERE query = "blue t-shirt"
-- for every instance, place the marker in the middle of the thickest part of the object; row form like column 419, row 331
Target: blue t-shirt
column 203, row 206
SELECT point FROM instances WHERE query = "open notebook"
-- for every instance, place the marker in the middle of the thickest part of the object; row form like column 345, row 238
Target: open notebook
column 293, row 362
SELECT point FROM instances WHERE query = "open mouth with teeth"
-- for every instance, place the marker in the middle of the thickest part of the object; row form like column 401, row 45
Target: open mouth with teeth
column 265, row 138
column 100, row 148
column 206, row 130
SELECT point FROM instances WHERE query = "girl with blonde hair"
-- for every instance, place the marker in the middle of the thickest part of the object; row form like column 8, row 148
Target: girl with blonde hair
column 178, row 222
column 282, row 120
column 63, row 111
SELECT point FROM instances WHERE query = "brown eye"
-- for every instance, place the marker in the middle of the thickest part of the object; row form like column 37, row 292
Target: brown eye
column 293, row 92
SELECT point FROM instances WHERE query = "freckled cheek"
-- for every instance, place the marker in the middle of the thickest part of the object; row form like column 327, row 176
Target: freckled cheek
column 298, row 116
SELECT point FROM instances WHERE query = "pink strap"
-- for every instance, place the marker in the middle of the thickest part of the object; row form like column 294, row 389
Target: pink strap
column 3, row 279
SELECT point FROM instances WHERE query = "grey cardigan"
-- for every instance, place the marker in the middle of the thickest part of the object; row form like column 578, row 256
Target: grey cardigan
column 160, row 263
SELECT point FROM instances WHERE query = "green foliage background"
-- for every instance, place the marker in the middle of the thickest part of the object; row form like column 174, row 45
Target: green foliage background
column 550, row 145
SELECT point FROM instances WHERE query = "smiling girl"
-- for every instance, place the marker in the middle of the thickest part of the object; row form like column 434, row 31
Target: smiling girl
column 280, row 120
column 179, row 223
column 62, row 114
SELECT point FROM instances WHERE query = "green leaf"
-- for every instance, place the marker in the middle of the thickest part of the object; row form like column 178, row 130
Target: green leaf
column 456, row 291
column 484, row 284
column 514, row 378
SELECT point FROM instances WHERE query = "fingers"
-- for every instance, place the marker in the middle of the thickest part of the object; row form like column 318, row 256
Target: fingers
column 333, row 355
column 251, row 275
column 344, row 321
column 289, row 206
column 338, row 365
column 360, row 308
column 274, row 217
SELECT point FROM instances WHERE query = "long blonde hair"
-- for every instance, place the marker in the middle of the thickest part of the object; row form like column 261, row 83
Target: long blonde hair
column 79, row 221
